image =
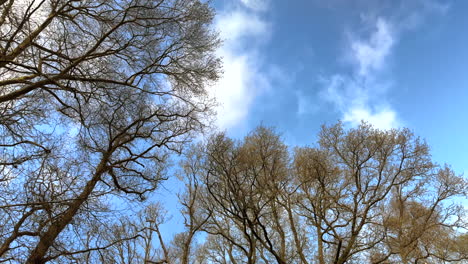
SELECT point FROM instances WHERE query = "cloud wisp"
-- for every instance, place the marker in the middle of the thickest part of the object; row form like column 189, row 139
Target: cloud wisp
column 243, row 32
column 359, row 96
column 362, row 93
column 370, row 54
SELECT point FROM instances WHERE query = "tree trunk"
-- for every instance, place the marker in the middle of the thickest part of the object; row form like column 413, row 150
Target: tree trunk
column 48, row 238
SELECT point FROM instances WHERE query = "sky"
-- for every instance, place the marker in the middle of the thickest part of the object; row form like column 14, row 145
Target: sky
column 296, row 65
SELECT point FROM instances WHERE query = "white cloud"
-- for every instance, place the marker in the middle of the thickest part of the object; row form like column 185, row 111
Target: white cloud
column 232, row 92
column 370, row 54
column 356, row 102
column 238, row 27
column 243, row 32
column 383, row 118
column 360, row 96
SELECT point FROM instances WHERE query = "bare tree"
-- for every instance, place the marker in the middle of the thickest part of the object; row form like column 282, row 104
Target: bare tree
column 244, row 185
column 423, row 226
column 195, row 218
column 361, row 195
column 94, row 95
column 348, row 183
column 150, row 221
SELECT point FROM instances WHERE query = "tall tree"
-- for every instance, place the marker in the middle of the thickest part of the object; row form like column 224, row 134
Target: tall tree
column 348, row 183
column 360, row 195
column 244, row 181
column 94, row 95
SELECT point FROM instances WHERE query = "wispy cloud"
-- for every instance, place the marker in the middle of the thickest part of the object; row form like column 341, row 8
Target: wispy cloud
column 359, row 100
column 413, row 14
column 360, row 95
column 243, row 31
column 370, row 54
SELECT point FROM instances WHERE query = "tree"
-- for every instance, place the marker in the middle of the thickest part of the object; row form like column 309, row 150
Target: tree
column 243, row 181
column 94, row 96
column 420, row 227
column 360, row 195
column 190, row 198
column 348, row 184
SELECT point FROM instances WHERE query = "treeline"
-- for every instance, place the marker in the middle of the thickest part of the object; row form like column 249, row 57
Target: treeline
column 358, row 196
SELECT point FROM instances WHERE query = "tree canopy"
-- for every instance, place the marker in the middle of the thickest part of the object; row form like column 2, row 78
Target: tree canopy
column 94, row 95
column 359, row 195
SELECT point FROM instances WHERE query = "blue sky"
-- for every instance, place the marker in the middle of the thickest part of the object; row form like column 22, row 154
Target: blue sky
column 296, row 65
